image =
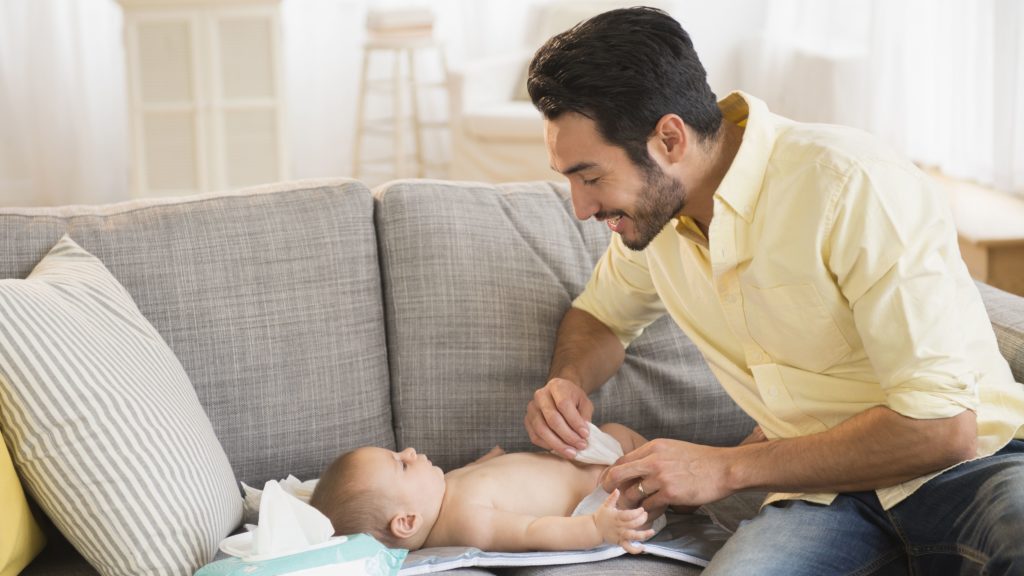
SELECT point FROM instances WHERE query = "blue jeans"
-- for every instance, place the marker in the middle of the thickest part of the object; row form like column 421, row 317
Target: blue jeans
column 968, row 520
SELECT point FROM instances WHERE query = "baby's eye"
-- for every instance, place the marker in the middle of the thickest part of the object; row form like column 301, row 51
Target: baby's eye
column 404, row 465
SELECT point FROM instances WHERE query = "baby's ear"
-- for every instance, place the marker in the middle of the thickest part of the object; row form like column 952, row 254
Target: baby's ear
column 405, row 525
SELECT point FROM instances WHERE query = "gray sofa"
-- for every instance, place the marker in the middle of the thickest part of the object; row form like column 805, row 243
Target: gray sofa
column 315, row 317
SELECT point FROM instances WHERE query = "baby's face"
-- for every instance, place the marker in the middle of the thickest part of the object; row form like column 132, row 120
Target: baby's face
column 406, row 475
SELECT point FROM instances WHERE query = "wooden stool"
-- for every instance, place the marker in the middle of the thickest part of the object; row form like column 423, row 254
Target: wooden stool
column 400, row 87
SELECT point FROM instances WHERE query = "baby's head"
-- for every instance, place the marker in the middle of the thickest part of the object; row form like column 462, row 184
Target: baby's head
column 393, row 496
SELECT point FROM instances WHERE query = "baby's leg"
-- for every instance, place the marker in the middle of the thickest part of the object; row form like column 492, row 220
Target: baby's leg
column 493, row 453
column 628, row 438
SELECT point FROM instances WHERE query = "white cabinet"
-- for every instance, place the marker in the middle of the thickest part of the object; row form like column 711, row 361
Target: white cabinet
column 205, row 94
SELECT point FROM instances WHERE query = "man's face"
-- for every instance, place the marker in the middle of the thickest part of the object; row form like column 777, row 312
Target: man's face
column 607, row 185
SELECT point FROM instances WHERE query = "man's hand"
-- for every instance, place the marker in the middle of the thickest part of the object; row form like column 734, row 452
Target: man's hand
column 659, row 457
column 556, row 418
column 672, row 473
column 622, row 527
column 587, row 353
column 874, row 449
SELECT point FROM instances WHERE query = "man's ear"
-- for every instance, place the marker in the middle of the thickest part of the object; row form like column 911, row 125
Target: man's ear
column 668, row 141
column 405, row 525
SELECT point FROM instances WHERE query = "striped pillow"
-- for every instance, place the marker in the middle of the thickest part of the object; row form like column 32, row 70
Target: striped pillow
column 104, row 425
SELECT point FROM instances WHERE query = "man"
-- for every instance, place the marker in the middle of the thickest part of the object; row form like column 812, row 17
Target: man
column 819, row 275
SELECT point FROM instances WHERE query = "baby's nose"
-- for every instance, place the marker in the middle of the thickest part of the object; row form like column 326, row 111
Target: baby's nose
column 409, row 452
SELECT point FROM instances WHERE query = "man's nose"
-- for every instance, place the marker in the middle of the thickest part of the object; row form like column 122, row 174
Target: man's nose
column 582, row 205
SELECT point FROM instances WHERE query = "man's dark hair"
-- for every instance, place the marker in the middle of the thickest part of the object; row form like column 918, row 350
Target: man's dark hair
column 625, row 69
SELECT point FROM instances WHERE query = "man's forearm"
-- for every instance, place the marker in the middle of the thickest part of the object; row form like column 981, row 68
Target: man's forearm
column 586, row 351
column 872, row 450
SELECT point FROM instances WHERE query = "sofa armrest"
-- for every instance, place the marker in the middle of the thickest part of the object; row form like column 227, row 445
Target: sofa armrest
column 1006, row 311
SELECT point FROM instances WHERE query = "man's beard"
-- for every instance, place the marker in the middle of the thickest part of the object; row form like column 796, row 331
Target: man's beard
column 663, row 197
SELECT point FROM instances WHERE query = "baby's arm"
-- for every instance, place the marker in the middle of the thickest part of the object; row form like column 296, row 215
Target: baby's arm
column 502, row 531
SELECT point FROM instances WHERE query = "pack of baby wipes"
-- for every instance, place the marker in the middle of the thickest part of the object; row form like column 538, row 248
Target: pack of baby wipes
column 296, row 539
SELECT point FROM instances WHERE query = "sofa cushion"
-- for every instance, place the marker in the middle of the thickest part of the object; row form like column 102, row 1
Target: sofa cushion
column 104, row 424
column 473, row 299
column 269, row 297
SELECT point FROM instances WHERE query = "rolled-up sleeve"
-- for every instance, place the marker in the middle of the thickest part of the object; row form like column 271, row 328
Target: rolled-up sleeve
column 621, row 293
column 893, row 250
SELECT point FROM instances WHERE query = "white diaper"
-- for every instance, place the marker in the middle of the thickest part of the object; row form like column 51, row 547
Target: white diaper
column 602, row 448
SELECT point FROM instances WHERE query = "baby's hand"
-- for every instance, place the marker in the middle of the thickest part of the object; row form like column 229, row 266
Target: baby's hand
column 622, row 527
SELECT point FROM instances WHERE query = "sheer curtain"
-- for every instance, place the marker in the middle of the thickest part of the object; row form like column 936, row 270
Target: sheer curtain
column 942, row 80
column 63, row 127
column 1009, row 95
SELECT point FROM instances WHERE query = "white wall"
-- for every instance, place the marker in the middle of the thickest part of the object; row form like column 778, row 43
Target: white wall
column 720, row 31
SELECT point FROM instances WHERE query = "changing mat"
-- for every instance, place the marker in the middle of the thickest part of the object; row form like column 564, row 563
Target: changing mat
column 690, row 538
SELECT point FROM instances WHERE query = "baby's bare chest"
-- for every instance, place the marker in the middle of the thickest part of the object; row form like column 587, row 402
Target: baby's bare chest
column 538, row 484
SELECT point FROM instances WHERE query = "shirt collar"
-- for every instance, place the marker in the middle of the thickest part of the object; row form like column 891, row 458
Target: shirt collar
column 742, row 183
column 687, row 228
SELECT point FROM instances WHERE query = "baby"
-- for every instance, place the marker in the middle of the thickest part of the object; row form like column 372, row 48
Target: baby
column 502, row 502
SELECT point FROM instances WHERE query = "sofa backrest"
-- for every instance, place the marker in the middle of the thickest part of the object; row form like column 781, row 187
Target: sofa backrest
column 269, row 297
column 476, row 280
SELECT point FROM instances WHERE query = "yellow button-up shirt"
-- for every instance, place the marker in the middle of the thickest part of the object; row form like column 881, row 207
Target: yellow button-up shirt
column 831, row 282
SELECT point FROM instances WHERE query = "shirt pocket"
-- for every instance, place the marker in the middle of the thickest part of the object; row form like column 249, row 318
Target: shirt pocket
column 793, row 325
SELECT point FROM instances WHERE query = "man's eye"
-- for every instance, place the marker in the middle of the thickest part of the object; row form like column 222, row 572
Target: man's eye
column 590, row 182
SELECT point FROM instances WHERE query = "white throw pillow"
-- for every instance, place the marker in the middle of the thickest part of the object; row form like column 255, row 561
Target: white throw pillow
column 104, row 425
